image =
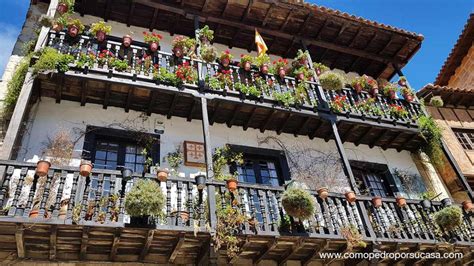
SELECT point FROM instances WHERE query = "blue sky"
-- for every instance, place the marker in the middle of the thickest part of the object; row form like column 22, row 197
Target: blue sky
column 439, row 21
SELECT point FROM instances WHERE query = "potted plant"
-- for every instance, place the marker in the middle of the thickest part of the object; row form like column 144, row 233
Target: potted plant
column 350, row 196
column 448, row 218
column 59, row 23
column 127, row 40
column 320, row 68
column 64, row 5
column 402, row 81
column 222, row 157
column 100, row 30
column 229, row 224
column 186, row 73
column 200, row 181
column 401, row 201
column 208, row 53
column 246, row 62
column 42, row 167
column 298, row 203
column 302, row 57
column 153, row 40
column 85, row 168
column 331, row 81
column 390, row 91
column 300, row 73
column 262, row 62
column 225, row 58
column 377, row 201
column 74, row 27
column 63, row 209
column 174, row 159
column 182, row 45
column 353, row 237
column 206, row 35
column 323, row 192
column 373, row 86
column 279, row 68
column 408, row 94
column 467, row 205
column 436, row 101
column 143, row 201
column 339, row 104
column 162, row 174
column 397, row 111
column 359, row 84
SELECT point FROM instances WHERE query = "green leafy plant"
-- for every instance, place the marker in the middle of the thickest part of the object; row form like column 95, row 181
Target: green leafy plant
column 145, row 199
column 397, row 111
column 70, row 3
column 301, row 71
column 428, row 195
column 226, row 55
column 407, row 91
column 298, row 203
column 360, row 82
column 208, row 53
column 448, row 218
column 152, row 37
column 339, row 104
column 437, row 101
column 300, row 55
column 120, row 65
column 220, row 81
column 301, row 94
column 14, row 85
column 277, row 64
column 186, row 73
column 261, row 60
column 50, row 59
column 100, row 26
column 165, row 76
column 86, row 59
column 352, row 236
column 431, row 133
column 285, row 98
column 389, row 88
column 175, row 159
column 331, row 81
column 245, row 58
column 206, row 32
column 185, row 43
column 369, row 106
column 320, row 68
column 222, row 157
column 248, row 89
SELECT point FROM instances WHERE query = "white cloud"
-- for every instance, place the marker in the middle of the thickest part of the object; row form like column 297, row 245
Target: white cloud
column 8, row 36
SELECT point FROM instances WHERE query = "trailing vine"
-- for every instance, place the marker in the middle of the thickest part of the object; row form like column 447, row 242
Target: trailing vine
column 432, row 134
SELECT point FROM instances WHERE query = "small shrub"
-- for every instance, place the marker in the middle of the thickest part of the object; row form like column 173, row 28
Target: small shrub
column 145, row 199
column 352, row 236
column 50, row 59
column 208, row 53
column 100, row 26
column 14, row 85
column 432, row 134
column 437, row 101
column 331, row 81
column 298, row 203
column 448, row 218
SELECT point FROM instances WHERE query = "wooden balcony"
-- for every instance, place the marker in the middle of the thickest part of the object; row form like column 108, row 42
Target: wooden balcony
column 94, row 230
column 137, row 89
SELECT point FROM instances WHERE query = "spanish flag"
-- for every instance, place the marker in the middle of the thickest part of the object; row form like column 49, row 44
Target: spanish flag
column 261, row 46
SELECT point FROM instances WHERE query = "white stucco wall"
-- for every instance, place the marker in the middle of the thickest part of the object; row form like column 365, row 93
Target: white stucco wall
column 47, row 118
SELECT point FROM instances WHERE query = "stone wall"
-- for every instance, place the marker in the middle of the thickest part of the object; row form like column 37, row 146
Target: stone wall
column 464, row 75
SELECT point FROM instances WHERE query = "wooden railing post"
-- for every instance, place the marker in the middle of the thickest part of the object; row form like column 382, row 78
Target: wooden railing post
column 323, row 103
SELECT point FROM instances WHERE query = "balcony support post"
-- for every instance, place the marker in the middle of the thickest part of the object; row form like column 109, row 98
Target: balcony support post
column 447, row 152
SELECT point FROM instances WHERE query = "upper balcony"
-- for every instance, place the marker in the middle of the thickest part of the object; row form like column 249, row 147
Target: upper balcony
column 242, row 98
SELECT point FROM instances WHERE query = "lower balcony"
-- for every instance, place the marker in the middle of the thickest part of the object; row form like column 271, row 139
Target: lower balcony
column 67, row 217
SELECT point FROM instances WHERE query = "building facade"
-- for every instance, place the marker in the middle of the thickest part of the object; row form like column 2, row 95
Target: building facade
column 133, row 109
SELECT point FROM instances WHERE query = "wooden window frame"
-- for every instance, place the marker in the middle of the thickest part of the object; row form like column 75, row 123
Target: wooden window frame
column 380, row 169
column 464, row 132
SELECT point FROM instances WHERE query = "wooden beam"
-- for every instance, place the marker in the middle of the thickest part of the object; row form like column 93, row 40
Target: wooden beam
column 348, row 133
column 172, row 106
column 84, row 242
column 234, row 115
column 85, row 87
column 204, row 6
column 241, row 250
column 265, row 30
column 361, row 138
column 214, row 114
column 316, row 36
column 268, row 15
column 147, row 244
column 83, row 7
column 108, row 6
column 392, row 139
column 53, row 242
column 151, row 102
column 130, row 12
column 287, row 19
column 387, row 44
column 267, row 121
column 303, row 124
column 193, row 109
column 319, row 123
column 225, row 8
column 113, row 250
column 59, row 87
column 153, row 20
column 203, row 252
column 129, row 99
column 283, row 125
column 247, row 11
column 321, row 248
column 294, row 249
column 270, row 245
column 305, row 23
column 176, row 248
column 378, row 138
column 359, row 31
column 106, row 96
column 249, row 120
column 19, row 238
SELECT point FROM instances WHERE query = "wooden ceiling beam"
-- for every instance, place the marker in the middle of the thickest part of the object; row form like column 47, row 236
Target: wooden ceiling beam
column 283, row 125
column 84, row 242
column 53, row 239
column 20, row 241
column 352, row 41
column 316, row 36
column 130, row 12
column 83, row 7
column 378, row 138
column 277, row 34
column 270, row 246
column 391, row 140
column 146, row 245
column 176, row 248
column 294, row 249
column 247, row 11
column 268, row 15
column 287, row 19
column 225, row 8
column 361, row 138
column 321, row 248
column 59, row 88
column 108, row 7
column 84, row 91
column 304, row 124
column 151, row 102
column 387, row 44
column 153, row 20
column 172, row 106
column 305, row 23
column 348, row 132
column 249, row 120
column 267, row 121
column 192, row 110
column 106, row 96
column 115, row 243
column 204, row 6
column 313, row 134
column 234, row 115
column 212, row 119
column 129, row 99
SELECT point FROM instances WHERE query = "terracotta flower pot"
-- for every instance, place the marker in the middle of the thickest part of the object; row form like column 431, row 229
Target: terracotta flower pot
column 401, row 202
column 350, row 196
column 34, row 213
column 264, row 69
column 183, row 214
column 318, row 71
column 358, row 88
column 467, row 205
column 408, row 97
column 392, row 95
column 85, row 168
column 225, row 62
column 232, row 184
column 323, row 192
column 42, row 168
column 247, row 66
column 127, row 40
column 374, row 91
column 377, row 201
column 62, row 8
column 57, row 27
column 72, row 31
column 303, row 61
column 300, row 76
column 100, row 36
column 282, row 73
column 178, row 52
column 154, row 46
column 162, row 175
column 402, row 82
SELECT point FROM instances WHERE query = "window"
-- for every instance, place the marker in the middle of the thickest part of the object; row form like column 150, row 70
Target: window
column 261, row 166
column 374, row 179
column 113, row 149
column 465, row 137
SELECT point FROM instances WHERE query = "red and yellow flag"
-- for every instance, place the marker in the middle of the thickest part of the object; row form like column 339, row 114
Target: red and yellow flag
column 261, row 46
